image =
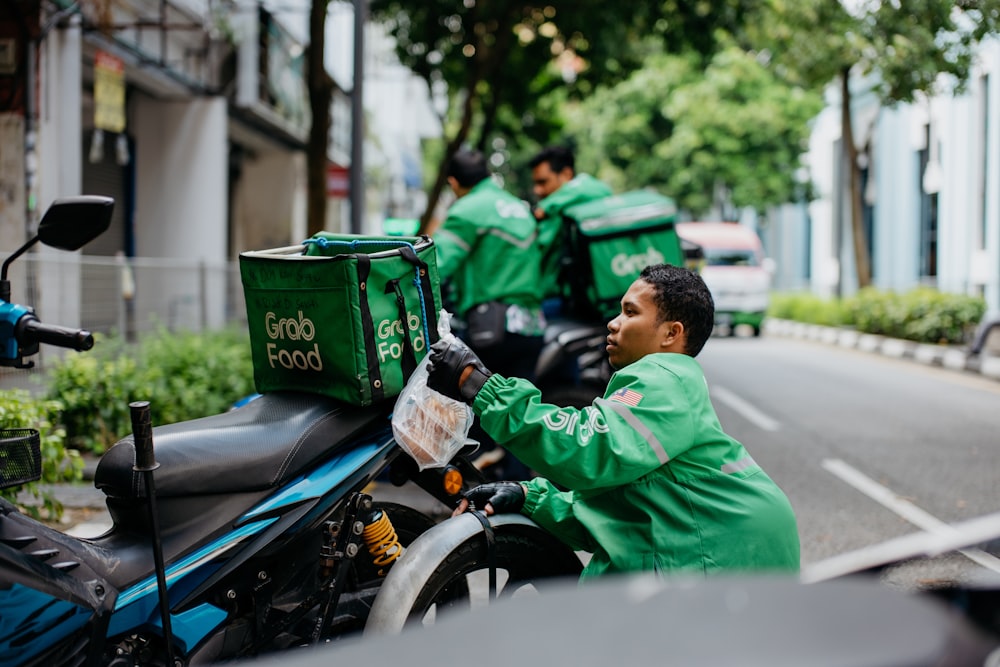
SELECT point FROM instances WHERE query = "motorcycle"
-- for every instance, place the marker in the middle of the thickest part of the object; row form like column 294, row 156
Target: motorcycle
column 238, row 534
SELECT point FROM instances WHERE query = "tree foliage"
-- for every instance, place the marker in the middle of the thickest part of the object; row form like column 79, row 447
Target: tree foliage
column 904, row 48
column 725, row 135
column 496, row 62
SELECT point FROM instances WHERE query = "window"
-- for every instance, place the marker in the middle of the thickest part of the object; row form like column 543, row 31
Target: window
column 984, row 110
column 730, row 257
column 928, row 216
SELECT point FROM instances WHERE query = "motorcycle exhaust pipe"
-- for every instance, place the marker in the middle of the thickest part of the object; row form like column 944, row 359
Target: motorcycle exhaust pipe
column 145, row 463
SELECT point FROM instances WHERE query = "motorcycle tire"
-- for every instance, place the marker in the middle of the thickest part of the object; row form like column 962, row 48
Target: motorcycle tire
column 526, row 560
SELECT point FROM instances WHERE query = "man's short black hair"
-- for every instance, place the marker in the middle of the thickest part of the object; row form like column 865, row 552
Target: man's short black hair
column 558, row 157
column 468, row 167
column 682, row 296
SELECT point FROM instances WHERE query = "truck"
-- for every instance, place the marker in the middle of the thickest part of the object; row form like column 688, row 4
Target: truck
column 736, row 270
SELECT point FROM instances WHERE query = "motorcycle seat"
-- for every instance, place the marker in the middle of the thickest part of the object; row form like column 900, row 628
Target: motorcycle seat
column 256, row 447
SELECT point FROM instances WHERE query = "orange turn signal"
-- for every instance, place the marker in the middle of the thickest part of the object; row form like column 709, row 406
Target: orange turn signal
column 452, row 481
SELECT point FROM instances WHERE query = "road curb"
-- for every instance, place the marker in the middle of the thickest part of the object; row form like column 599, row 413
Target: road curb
column 954, row 358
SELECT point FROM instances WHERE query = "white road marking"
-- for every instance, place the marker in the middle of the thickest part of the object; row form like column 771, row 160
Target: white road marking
column 749, row 412
column 904, row 508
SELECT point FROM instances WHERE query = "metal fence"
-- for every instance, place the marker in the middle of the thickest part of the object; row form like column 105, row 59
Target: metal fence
column 126, row 297
column 140, row 294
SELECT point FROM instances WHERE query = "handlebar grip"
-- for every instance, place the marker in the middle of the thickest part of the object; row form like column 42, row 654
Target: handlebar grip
column 30, row 331
column 142, row 433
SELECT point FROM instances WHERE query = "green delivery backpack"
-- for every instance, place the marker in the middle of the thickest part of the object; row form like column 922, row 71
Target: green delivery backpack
column 346, row 316
column 610, row 240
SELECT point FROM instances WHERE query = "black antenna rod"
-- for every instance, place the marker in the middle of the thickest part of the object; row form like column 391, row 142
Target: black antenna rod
column 145, row 462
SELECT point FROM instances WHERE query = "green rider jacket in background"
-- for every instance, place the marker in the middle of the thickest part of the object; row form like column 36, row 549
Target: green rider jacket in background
column 487, row 246
column 581, row 188
column 654, row 482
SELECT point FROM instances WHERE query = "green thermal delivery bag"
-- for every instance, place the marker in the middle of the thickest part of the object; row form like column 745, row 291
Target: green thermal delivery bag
column 610, row 240
column 343, row 315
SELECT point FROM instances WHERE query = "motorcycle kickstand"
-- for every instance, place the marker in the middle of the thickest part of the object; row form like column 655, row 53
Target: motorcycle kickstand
column 337, row 553
column 340, row 546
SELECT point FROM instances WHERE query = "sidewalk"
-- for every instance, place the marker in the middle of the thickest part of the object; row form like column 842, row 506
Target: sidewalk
column 956, row 358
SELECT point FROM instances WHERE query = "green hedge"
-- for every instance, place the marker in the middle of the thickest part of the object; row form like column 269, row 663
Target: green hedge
column 804, row 307
column 923, row 314
column 18, row 409
column 183, row 375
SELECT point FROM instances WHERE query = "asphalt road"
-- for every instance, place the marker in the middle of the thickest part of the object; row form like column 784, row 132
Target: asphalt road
column 867, row 448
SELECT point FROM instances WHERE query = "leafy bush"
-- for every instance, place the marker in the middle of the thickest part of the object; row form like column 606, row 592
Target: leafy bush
column 804, row 307
column 923, row 314
column 183, row 375
column 941, row 318
column 875, row 312
column 18, row 409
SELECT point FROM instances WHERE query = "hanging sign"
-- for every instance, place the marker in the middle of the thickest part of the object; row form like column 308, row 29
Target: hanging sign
column 338, row 181
column 109, row 93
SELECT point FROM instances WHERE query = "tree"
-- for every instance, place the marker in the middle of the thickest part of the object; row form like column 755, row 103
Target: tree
column 320, row 86
column 727, row 135
column 905, row 49
column 497, row 61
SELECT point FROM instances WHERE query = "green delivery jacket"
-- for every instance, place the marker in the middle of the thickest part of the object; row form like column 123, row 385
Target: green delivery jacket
column 581, row 188
column 654, row 483
column 487, row 246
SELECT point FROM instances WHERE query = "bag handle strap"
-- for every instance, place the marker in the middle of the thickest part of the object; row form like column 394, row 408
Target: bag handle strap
column 409, row 361
column 425, row 290
column 368, row 326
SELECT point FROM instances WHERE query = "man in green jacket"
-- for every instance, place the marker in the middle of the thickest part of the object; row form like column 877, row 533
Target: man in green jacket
column 486, row 247
column 558, row 186
column 651, row 480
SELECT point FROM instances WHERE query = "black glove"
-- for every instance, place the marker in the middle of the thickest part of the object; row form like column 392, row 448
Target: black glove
column 504, row 496
column 448, row 359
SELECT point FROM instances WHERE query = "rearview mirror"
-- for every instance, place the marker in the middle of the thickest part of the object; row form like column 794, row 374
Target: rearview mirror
column 72, row 222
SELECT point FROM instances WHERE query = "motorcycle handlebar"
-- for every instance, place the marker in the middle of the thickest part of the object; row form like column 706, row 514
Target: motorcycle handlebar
column 30, row 330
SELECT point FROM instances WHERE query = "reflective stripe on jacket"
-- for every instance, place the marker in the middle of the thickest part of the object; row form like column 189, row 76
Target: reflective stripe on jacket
column 654, row 482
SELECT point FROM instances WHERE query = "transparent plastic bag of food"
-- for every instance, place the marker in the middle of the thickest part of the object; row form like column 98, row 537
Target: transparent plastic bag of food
column 429, row 426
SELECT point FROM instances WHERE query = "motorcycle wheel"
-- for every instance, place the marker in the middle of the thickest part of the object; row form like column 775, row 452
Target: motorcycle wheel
column 526, row 561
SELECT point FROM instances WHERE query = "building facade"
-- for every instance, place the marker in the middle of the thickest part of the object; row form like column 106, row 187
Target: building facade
column 192, row 114
column 931, row 182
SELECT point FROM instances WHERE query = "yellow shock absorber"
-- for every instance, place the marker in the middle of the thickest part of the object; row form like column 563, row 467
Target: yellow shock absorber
column 382, row 542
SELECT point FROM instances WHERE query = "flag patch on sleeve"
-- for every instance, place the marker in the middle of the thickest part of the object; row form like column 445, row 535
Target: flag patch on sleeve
column 626, row 396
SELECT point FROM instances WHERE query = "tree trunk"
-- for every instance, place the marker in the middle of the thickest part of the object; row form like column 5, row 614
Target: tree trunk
column 442, row 176
column 495, row 58
column 320, row 97
column 862, row 258
column 489, row 118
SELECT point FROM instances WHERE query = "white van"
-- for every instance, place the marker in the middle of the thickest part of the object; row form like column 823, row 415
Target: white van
column 735, row 269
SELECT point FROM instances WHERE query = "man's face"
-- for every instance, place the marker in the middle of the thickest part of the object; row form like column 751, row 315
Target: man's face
column 637, row 331
column 547, row 181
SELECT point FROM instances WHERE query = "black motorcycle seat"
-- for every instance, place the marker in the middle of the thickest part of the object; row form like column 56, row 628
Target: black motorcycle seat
column 258, row 446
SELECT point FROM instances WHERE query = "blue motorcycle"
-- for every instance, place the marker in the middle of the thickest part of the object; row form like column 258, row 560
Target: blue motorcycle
column 238, row 534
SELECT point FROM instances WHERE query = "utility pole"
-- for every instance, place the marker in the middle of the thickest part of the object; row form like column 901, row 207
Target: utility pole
column 358, row 120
